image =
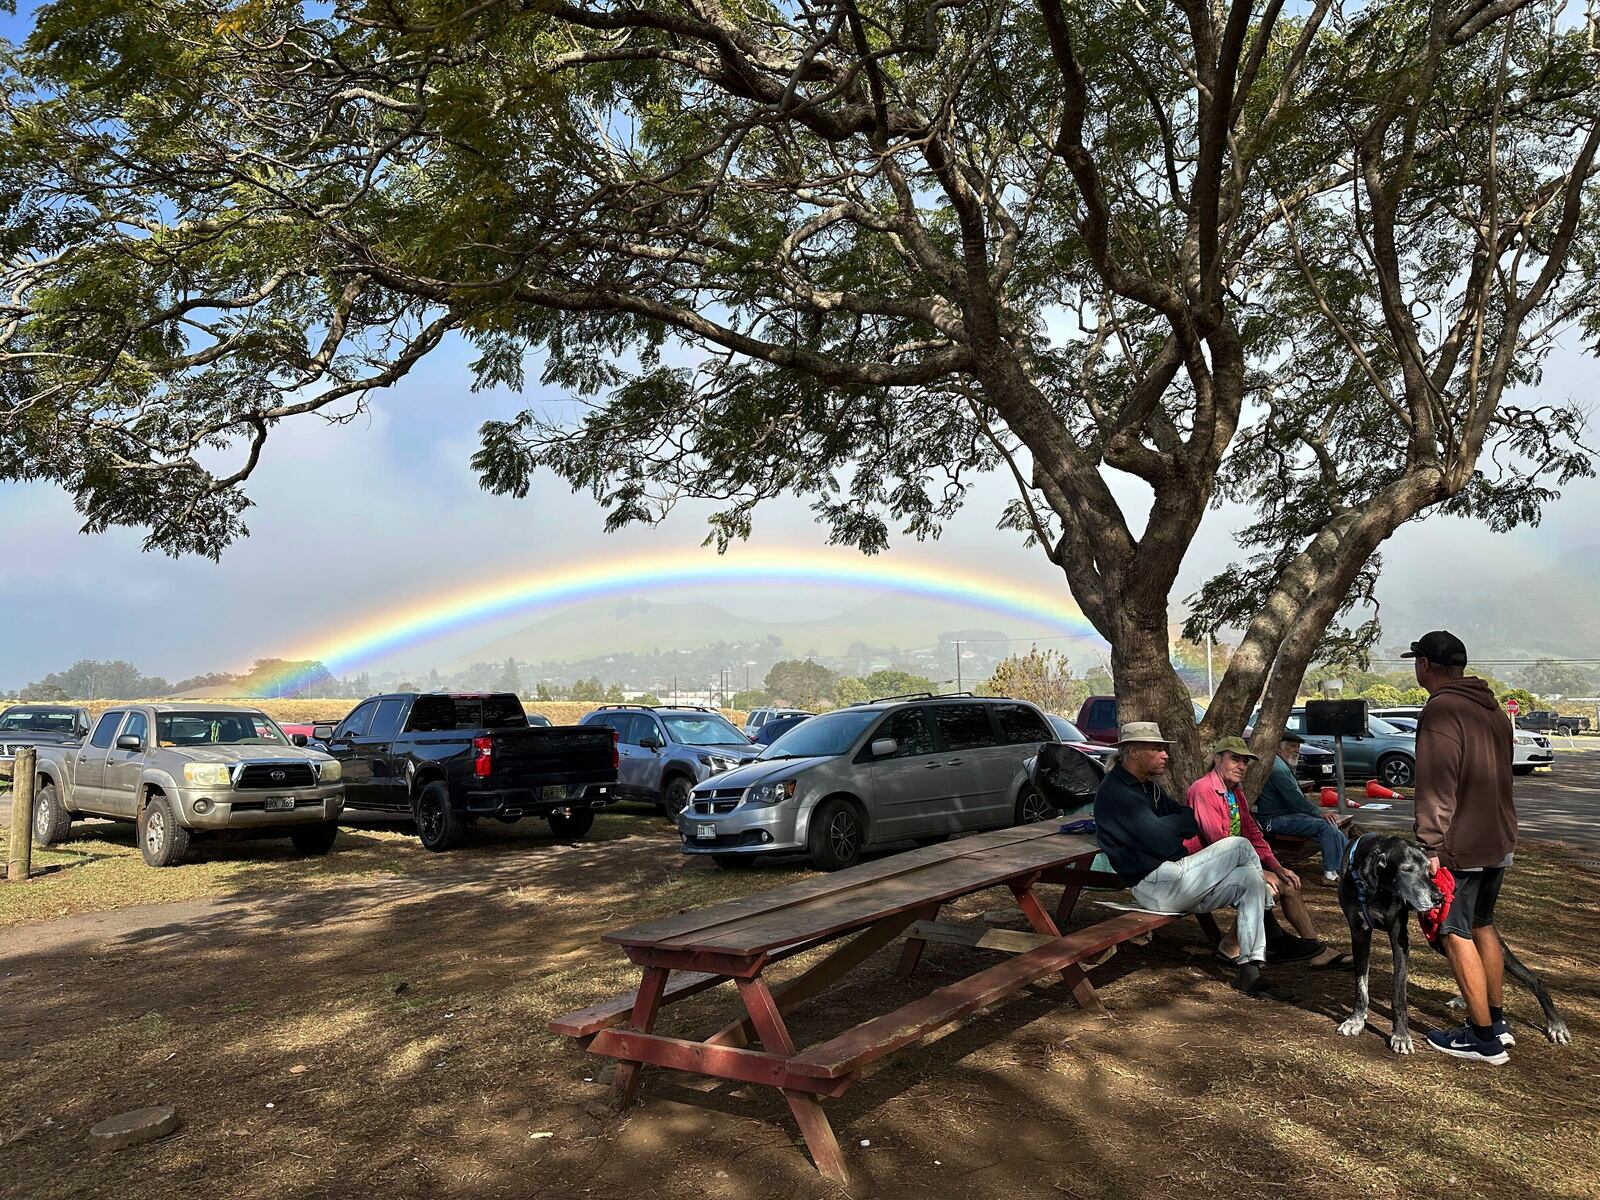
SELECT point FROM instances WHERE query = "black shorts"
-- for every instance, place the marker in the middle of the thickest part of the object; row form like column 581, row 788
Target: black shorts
column 1473, row 904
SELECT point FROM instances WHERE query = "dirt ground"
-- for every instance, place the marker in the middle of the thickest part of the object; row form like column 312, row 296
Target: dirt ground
column 372, row 1033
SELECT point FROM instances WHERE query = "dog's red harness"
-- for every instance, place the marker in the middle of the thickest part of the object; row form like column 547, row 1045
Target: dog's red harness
column 1434, row 917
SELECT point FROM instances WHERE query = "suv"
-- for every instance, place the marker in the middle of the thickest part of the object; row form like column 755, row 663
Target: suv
column 913, row 769
column 760, row 716
column 664, row 751
column 1384, row 752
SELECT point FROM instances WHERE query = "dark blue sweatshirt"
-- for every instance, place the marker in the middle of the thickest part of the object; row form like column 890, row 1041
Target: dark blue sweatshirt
column 1138, row 825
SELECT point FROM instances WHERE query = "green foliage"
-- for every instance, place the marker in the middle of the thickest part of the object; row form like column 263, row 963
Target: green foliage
column 652, row 698
column 750, row 698
column 889, row 682
column 588, row 690
column 850, row 690
column 1043, row 677
column 800, row 683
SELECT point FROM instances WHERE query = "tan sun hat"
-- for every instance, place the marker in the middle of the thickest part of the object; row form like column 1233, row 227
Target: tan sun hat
column 1137, row 732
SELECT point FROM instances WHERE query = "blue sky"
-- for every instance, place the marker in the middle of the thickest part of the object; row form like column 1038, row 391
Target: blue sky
column 356, row 519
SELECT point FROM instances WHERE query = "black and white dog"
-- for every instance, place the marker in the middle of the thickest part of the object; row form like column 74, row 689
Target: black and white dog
column 1385, row 880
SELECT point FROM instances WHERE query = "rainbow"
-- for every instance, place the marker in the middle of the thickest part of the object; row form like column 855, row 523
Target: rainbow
column 452, row 612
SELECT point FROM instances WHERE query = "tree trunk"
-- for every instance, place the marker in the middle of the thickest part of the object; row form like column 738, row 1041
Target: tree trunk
column 1148, row 689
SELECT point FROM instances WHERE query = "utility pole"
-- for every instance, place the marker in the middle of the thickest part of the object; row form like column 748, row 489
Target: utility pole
column 958, row 664
column 1210, row 693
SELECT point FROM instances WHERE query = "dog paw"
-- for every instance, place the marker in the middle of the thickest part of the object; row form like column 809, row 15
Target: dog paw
column 1353, row 1026
column 1559, row 1033
column 1401, row 1043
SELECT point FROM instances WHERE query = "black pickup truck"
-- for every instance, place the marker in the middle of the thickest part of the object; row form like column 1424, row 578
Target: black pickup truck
column 1544, row 720
column 450, row 758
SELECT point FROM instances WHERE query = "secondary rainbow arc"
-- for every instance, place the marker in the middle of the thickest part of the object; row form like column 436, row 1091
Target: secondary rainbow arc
column 452, row 612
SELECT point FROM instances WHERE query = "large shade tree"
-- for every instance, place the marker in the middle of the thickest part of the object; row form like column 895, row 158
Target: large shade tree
column 1308, row 259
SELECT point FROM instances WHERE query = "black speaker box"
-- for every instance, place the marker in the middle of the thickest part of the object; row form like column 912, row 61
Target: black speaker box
column 1337, row 718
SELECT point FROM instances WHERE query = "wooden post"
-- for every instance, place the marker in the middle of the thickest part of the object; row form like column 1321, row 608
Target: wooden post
column 20, row 859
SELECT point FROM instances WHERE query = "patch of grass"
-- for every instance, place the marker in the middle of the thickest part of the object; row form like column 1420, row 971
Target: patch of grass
column 100, row 868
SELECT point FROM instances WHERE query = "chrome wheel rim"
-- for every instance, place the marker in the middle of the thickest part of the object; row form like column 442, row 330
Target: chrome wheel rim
column 155, row 831
column 41, row 818
column 1397, row 774
column 1034, row 809
column 843, row 835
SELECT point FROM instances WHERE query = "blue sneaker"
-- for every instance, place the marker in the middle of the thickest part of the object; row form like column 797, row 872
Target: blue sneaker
column 1501, row 1030
column 1463, row 1043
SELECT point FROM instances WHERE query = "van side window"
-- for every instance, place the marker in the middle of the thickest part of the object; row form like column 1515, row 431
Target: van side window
column 1019, row 723
column 964, row 726
column 908, row 727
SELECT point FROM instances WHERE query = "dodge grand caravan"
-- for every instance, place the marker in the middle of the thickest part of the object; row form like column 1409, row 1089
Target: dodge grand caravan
column 890, row 771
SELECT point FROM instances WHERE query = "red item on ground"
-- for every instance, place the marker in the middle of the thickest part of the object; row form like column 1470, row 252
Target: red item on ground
column 1434, row 917
column 1376, row 791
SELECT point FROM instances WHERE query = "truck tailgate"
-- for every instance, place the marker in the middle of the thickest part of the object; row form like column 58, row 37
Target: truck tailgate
column 558, row 754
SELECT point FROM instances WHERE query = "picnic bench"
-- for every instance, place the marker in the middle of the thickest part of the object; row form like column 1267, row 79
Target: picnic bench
column 877, row 903
column 1288, row 844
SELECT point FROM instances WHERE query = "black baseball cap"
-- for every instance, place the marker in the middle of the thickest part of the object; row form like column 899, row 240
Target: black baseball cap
column 1290, row 735
column 1441, row 648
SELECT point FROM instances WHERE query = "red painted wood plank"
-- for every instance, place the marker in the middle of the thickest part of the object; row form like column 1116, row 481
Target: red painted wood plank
column 719, row 1062
column 618, row 1009
column 703, row 920
column 874, row 1039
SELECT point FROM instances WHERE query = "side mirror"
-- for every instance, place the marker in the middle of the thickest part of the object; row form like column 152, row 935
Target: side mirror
column 321, row 732
column 299, row 739
column 130, row 741
column 884, row 747
column 649, row 743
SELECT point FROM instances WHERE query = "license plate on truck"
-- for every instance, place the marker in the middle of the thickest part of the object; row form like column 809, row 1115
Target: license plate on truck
column 706, row 832
column 279, row 804
column 555, row 791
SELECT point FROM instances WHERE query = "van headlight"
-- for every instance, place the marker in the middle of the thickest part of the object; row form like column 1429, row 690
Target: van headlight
column 207, row 774
column 771, row 793
column 331, row 771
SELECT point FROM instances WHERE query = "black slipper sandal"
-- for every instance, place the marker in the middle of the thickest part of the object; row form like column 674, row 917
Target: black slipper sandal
column 1295, row 950
column 1343, row 962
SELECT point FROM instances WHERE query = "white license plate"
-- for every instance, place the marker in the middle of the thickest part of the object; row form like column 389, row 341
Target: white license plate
column 706, row 832
column 279, row 804
column 555, row 791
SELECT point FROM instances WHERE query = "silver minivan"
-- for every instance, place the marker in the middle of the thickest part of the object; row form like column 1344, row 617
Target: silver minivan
column 891, row 771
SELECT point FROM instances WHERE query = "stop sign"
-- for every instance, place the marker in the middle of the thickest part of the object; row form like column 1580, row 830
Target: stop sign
column 1512, row 706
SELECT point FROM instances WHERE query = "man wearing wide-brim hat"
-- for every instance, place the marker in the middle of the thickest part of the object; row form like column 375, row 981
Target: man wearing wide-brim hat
column 1142, row 831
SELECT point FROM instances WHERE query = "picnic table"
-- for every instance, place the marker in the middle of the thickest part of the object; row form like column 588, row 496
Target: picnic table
column 877, row 903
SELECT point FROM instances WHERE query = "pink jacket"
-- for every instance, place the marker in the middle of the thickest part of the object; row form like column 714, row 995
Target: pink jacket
column 1209, row 799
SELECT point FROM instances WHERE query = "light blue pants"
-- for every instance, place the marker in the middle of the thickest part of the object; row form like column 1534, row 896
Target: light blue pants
column 1225, row 874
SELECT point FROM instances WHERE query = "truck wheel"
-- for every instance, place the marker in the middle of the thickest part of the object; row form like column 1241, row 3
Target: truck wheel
column 51, row 822
column 438, row 825
column 836, row 836
column 315, row 839
column 571, row 825
column 676, row 796
column 162, row 841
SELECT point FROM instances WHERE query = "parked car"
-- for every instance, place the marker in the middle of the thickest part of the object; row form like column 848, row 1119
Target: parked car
column 774, row 729
column 1097, row 718
column 1384, row 753
column 888, row 771
column 666, row 750
column 1530, row 751
column 758, row 717
column 1069, row 734
column 449, row 758
column 40, row 725
column 180, row 770
column 1544, row 720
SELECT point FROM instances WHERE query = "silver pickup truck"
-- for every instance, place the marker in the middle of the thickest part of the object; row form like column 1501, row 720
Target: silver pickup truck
column 178, row 769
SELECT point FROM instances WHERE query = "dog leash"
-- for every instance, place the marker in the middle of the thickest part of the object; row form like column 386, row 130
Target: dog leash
column 1361, row 884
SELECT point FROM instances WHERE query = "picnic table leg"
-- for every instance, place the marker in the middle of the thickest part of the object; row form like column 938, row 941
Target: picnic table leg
column 1082, row 990
column 807, row 1109
column 1068, row 901
column 625, row 1081
column 912, row 954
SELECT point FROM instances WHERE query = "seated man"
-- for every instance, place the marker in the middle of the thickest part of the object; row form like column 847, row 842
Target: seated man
column 1142, row 831
column 1284, row 809
column 1217, row 799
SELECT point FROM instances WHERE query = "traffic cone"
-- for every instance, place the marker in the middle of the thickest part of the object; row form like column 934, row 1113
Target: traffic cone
column 1330, row 798
column 1376, row 791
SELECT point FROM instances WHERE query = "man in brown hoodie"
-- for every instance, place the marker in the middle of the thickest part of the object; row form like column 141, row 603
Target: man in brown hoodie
column 1466, row 821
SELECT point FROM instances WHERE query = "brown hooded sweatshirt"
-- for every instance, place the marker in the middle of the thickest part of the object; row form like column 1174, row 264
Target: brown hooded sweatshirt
column 1464, row 811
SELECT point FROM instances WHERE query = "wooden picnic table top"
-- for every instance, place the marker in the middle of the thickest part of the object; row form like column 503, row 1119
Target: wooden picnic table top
column 862, row 895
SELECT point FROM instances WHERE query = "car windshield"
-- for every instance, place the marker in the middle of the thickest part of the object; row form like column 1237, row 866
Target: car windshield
column 218, row 729
column 37, row 720
column 704, row 729
column 826, row 736
column 1378, row 727
column 1066, row 731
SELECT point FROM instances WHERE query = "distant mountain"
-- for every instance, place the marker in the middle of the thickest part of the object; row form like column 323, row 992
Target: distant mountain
column 869, row 631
